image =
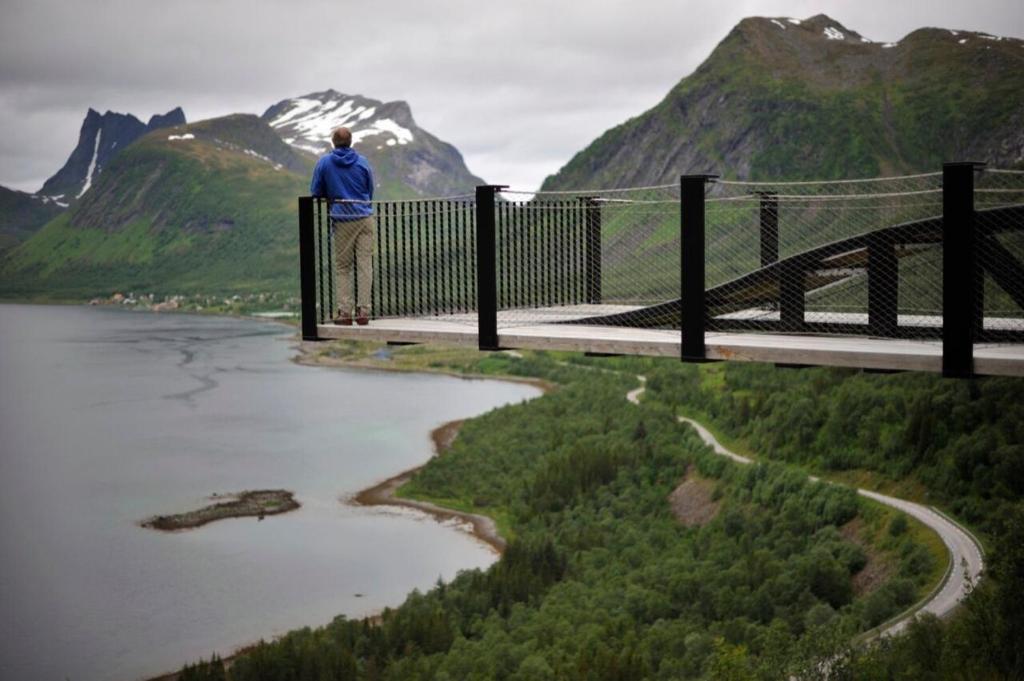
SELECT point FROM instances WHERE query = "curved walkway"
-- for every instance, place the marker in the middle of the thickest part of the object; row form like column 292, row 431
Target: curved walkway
column 966, row 558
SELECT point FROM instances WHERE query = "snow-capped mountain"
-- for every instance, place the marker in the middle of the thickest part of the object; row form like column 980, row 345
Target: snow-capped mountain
column 101, row 138
column 403, row 155
column 306, row 122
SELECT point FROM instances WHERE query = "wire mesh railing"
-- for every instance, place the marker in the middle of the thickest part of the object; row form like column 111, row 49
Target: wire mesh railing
column 423, row 259
column 999, row 206
column 546, row 254
column 605, row 257
column 825, row 257
column 886, row 257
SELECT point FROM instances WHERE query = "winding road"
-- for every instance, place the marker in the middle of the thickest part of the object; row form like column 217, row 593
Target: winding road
column 965, row 553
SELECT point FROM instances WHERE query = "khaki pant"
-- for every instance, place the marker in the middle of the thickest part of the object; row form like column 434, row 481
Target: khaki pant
column 353, row 249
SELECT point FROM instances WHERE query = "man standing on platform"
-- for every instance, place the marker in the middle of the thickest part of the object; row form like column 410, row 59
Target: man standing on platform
column 345, row 178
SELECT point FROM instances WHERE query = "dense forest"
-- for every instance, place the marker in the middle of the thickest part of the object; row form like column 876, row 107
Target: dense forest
column 603, row 579
column 957, row 444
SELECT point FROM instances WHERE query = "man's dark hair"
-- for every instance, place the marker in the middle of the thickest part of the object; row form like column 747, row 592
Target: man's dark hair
column 341, row 137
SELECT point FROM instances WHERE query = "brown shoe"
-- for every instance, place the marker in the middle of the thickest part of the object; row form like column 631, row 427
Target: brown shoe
column 362, row 316
column 343, row 319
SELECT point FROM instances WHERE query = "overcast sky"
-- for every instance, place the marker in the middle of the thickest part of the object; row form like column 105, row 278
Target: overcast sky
column 518, row 86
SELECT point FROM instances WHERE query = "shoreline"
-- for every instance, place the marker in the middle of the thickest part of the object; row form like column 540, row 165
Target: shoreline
column 383, row 493
column 305, row 357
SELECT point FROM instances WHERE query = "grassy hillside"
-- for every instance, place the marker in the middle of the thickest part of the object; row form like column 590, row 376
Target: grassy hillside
column 205, row 209
column 778, row 100
column 214, row 213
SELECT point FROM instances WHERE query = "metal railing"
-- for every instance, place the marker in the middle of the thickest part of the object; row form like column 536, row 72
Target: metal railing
column 911, row 257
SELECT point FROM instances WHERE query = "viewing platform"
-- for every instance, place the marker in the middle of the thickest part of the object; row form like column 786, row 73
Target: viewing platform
column 915, row 273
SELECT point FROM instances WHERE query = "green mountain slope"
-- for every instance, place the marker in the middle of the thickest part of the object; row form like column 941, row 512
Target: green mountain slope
column 785, row 99
column 202, row 208
column 21, row 215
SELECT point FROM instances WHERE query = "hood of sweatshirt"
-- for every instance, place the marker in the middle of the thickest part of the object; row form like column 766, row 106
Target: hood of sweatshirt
column 343, row 157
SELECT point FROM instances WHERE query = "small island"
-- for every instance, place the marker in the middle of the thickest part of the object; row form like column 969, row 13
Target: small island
column 258, row 503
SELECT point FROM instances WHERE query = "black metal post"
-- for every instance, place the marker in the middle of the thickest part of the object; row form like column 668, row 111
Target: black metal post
column 486, row 270
column 961, row 281
column 464, row 255
column 592, row 220
column 691, row 263
column 769, row 218
column 791, row 298
column 307, row 268
column 883, row 287
column 388, row 256
column 563, row 253
column 319, row 228
column 501, row 230
column 419, row 282
column 323, row 223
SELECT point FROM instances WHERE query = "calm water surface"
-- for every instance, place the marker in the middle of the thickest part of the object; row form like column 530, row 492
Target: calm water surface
column 108, row 417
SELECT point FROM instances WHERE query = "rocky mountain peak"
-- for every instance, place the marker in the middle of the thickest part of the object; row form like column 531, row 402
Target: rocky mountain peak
column 101, row 137
column 168, row 120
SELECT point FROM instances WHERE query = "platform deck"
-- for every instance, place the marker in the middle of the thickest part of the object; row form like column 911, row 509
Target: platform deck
column 547, row 330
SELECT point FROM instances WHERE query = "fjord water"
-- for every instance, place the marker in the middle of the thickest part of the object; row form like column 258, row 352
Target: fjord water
column 108, row 417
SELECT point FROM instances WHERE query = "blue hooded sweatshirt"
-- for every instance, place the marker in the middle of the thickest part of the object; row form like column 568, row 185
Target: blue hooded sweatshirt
column 344, row 174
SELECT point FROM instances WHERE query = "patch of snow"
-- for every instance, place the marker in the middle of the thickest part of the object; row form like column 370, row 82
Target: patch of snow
column 322, row 149
column 92, row 164
column 186, row 136
column 311, row 123
column 258, row 155
column 779, row 24
column 403, row 135
column 864, row 40
column 56, row 198
column 833, row 33
column 986, row 36
column 114, row 144
column 962, row 41
column 795, row 22
column 298, row 107
column 391, row 143
column 887, row 45
column 954, row 33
